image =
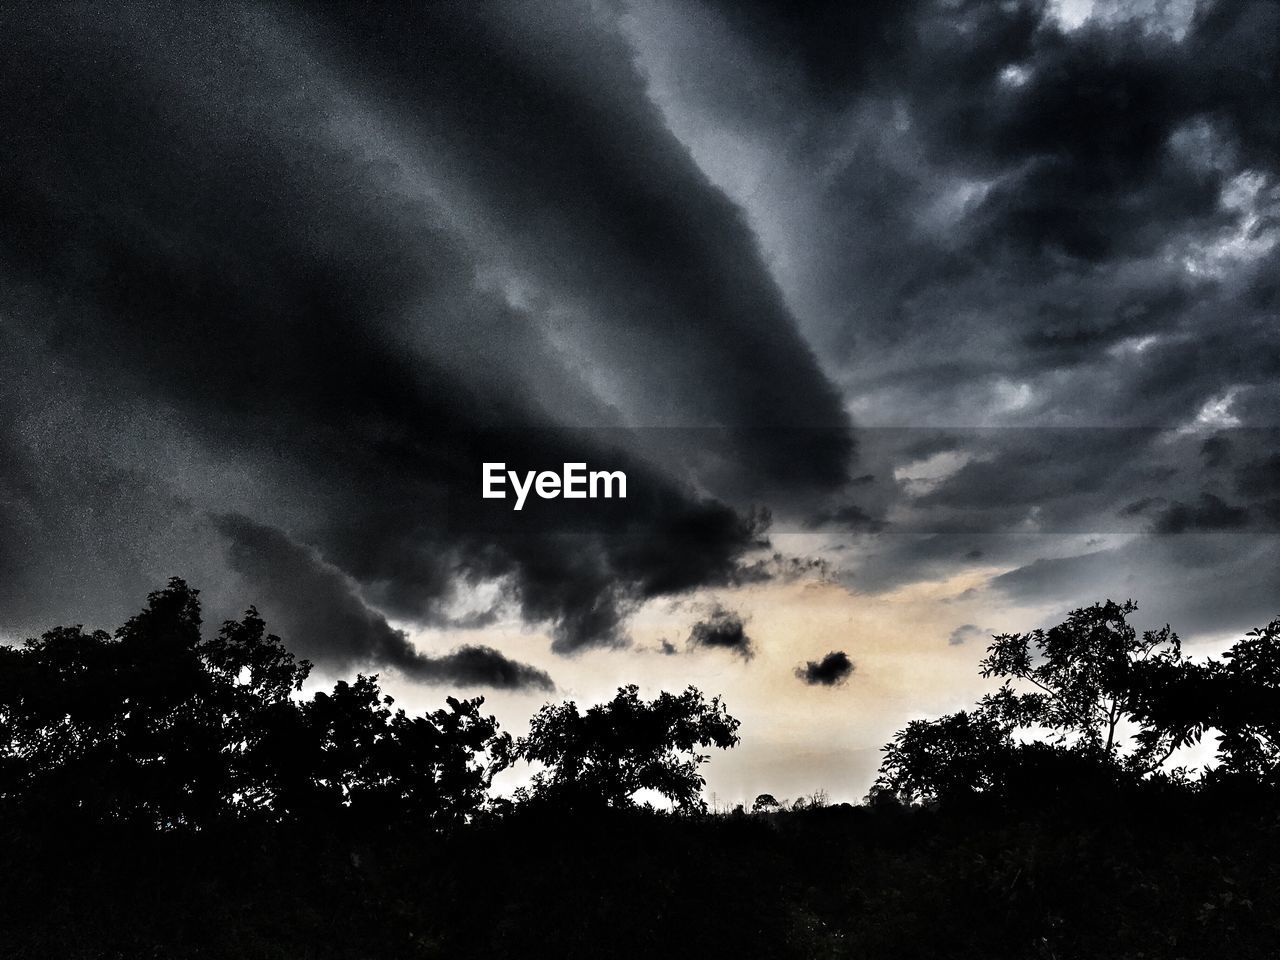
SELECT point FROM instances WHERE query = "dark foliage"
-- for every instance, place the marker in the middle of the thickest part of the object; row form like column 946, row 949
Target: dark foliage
column 1120, row 873
column 166, row 795
column 158, row 728
column 606, row 755
column 1070, row 692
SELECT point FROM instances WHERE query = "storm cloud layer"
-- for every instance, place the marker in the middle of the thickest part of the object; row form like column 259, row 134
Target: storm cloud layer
column 326, row 256
column 319, row 607
column 1036, row 244
column 953, row 287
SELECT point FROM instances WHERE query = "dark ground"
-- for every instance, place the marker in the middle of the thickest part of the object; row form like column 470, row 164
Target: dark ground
column 1137, row 875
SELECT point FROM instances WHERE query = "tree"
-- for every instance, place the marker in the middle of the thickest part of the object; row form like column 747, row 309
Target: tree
column 1066, row 695
column 615, row 749
column 385, row 765
column 1246, row 706
column 1090, row 675
column 116, row 727
column 764, row 803
column 158, row 727
column 965, row 752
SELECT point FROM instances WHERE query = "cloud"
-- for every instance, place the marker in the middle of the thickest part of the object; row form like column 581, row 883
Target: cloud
column 1259, row 479
column 321, row 616
column 313, row 269
column 964, row 633
column 833, row 670
column 1216, row 450
column 849, row 516
column 988, row 218
column 1201, row 583
column 310, row 268
column 1209, row 512
column 722, row 629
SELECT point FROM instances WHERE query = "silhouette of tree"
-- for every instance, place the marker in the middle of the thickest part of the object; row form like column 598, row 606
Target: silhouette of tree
column 118, row 727
column 1091, row 675
column 167, row 794
column 158, row 727
column 1246, row 707
column 617, row 748
column 965, row 752
column 384, row 764
column 1075, row 686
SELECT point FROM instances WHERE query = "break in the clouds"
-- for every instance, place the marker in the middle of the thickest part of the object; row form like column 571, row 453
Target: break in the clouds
column 833, row 670
column 955, row 288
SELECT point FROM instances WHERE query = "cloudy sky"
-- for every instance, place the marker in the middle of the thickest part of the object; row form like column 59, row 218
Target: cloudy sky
column 909, row 322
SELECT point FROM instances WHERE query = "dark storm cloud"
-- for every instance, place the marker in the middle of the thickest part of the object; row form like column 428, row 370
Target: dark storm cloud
column 602, row 210
column 849, row 516
column 1216, row 450
column 724, row 630
column 999, row 199
column 322, row 617
column 837, row 46
column 833, row 670
column 1260, row 478
column 1060, row 480
column 1209, row 512
column 302, row 263
column 1140, row 507
column 330, row 256
column 987, row 216
column 1033, row 500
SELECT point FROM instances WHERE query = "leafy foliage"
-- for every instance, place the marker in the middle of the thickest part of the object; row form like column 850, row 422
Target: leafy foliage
column 965, row 752
column 1091, row 700
column 158, row 727
column 615, row 749
column 1089, row 674
column 164, row 794
column 1246, row 710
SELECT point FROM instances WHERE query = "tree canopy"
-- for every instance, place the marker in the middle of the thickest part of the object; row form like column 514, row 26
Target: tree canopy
column 158, row 726
column 1092, row 698
column 615, row 749
column 155, row 725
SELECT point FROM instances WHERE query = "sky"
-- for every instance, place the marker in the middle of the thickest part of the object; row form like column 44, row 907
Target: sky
column 909, row 322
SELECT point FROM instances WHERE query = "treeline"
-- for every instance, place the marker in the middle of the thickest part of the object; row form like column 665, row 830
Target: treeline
column 158, row 726
column 1092, row 700
column 170, row 794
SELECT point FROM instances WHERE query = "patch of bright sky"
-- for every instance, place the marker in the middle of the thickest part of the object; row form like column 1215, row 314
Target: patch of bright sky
column 1170, row 18
column 955, row 202
column 1133, row 345
column 919, row 476
column 1015, row 75
column 1071, row 14
column 1216, row 413
column 1255, row 201
column 796, row 738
